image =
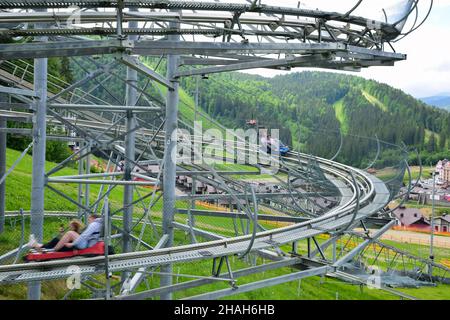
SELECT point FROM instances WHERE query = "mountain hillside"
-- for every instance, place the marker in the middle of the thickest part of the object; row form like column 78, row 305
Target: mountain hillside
column 310, row 108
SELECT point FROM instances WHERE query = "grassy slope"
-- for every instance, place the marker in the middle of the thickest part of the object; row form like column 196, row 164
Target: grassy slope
column 373, row 100
column 18, row 186
column 339, row 109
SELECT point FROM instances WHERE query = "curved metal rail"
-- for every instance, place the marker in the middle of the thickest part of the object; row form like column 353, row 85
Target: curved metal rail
column 374, row 198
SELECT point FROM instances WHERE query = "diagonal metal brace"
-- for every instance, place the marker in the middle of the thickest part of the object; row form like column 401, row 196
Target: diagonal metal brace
column 216, row 269
column 133, row 63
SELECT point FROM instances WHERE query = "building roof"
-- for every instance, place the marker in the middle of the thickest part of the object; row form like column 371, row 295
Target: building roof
column 408, row 216
column 445, row 217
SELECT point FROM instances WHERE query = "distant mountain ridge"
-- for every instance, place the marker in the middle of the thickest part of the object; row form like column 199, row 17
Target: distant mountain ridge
column 440, row 101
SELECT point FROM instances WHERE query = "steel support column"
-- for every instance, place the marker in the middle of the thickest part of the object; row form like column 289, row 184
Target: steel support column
column 80, row 186
column 130, row 140
column 38, row 175
column 87, row 189
column 170, row 163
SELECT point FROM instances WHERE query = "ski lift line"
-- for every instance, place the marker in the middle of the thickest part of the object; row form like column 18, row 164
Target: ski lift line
column 236, row 89
column 363, row 137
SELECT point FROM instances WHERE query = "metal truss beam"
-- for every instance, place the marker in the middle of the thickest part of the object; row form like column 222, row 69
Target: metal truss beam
column 227, row 214
column 254, row 7
column 196, row 283
column 58, row 49
column 16, row 91
column 364, row 244
column 245, row 196
column 211, row 48
column 262, row 284
column 134, row 63
column 140, row 274
column 280, row 63
column 145, row 47
column 93, row 107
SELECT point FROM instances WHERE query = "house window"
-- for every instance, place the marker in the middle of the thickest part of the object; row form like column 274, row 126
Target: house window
column 444, row 229
column 401, row 215
column 415, row 215
column 436, row 228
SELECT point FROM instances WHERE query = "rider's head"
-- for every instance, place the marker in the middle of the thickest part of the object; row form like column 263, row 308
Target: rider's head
column 76, row 225
column 92, row 217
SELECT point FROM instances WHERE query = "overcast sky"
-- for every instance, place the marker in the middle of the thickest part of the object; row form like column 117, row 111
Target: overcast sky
column 426, row 72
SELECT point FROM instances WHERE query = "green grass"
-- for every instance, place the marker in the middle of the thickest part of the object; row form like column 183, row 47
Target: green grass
column 339, row 109
column 18, row 187
column 440, row 292
column 389, row 173
column 374, row 101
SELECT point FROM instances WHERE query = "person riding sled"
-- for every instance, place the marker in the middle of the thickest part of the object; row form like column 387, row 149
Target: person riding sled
column 72, row 239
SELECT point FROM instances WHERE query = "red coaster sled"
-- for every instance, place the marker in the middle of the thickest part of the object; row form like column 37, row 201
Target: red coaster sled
column 97, row 249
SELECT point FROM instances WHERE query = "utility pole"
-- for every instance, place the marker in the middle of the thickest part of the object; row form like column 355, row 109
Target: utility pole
column 430, row 270
column 171, row 126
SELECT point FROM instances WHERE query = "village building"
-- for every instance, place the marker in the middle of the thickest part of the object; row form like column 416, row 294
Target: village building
column 411, row 218
column 442, row 223
column 443, row 168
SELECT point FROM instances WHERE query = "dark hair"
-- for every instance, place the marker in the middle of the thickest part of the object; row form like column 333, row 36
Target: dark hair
column 95, row 216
